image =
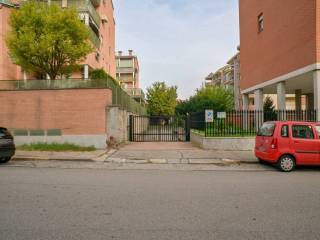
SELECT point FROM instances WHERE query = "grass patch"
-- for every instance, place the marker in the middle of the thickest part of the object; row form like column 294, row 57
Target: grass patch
column 55, row 147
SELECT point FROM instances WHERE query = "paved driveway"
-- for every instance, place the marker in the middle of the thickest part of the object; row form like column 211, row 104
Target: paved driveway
column 182, row 151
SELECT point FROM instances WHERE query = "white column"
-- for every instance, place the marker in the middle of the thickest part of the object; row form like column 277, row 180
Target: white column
column 245, row 101
column 86, row 19
column 281, row 95
column 86, row 71
column 258, row 99
column 24, row 73
column 316, row 92
column 298, row 94
column 258, row 104
column 245, row 108
column 64, row 3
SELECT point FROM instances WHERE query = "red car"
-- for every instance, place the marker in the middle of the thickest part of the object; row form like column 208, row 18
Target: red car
column 288, row 144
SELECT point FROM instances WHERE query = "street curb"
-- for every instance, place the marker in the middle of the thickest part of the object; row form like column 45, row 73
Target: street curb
column 51, row 159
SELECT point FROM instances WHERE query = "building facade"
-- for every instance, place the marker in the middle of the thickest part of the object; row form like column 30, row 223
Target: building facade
column 229, row 78
column 128, row 69
column 280, row 51
column 98, row 17
column 128, row 74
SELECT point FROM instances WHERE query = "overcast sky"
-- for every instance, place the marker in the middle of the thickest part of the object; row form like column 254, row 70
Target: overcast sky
column 178, row 41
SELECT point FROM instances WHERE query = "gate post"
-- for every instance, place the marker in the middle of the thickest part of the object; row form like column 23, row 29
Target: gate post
column 187, row 127
column 131, row 128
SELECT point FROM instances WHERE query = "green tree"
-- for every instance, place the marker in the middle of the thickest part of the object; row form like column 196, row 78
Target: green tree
column 268, row 105
column 214, row 97
column 46, row 39
column 161, row 99
column 269, row 110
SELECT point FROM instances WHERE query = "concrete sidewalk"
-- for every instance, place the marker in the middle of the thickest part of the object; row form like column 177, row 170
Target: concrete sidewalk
column 147, row 153
column 177, row 153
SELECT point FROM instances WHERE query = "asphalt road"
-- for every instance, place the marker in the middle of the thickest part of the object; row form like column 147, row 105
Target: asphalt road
column 90, row 204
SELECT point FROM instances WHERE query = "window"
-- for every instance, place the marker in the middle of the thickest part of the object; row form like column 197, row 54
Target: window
column 260, row 22
column 302, row 131
column 267, row 129
column 285, row 131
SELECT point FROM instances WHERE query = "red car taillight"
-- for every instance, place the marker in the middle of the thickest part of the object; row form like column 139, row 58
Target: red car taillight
column 274, row 143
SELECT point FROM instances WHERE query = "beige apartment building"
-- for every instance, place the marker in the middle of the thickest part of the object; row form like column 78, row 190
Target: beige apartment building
column 128, row 73
column 98, row 17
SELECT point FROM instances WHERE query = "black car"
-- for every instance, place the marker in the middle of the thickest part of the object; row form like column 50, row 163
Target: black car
column 7, row 147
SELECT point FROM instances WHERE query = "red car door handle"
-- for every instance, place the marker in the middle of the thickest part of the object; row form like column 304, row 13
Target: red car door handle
column 296, row 141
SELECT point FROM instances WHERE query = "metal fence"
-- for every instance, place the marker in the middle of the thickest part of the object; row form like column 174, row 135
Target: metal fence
column 245, row 123
column 158, row 129
column 119, row 96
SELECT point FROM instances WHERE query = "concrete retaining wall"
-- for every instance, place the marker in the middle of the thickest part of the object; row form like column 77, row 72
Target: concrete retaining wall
column 220, row 143
column 117, row 123
column 98, row 141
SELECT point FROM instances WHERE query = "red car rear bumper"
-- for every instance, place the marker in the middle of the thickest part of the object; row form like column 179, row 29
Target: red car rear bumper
column 270, row 156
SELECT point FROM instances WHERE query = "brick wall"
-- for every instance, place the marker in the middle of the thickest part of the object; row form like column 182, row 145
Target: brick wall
column 8, row 70
column 75, row 112
column 287, row 43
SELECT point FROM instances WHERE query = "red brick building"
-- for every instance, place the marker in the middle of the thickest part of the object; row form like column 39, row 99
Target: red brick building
column 280, row 50
column 97, row 16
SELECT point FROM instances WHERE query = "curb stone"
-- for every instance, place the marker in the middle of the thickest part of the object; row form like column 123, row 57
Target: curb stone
column 52, row 159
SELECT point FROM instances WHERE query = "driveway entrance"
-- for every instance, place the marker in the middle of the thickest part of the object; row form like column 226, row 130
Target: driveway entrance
column 158, row 129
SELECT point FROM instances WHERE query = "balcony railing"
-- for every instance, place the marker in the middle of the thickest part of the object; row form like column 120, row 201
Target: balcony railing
column 135, row 92
column 86, row 6
column 82, row 6
column 125, row 69
column 94, row 38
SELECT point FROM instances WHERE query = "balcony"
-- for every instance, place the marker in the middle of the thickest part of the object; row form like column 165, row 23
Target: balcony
column 96, row 3
column 86, row 6
column 125, row 70
column 136, row 93
column 94, row 38
column 82, row 6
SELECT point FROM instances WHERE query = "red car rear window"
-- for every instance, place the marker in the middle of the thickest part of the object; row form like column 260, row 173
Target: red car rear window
column 267, row 129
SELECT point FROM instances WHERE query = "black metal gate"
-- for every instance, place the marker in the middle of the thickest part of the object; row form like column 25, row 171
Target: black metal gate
column 158, row 129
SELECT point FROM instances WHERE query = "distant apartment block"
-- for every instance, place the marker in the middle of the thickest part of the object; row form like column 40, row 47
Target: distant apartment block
column 280, row 51
column 229, row 78
column 97, row 16
column 128, row 74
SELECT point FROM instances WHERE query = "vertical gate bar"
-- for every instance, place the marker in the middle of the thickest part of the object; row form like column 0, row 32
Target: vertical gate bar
column 130, row 128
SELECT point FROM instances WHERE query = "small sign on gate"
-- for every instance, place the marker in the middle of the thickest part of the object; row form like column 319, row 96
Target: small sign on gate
column 209, row 116
column 221, row 115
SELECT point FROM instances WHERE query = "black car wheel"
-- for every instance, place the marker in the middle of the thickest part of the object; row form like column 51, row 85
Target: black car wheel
column 4, row 159
column 286, row 163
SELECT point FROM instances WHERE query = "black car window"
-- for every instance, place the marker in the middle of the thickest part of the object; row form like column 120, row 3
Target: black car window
column 3, row 130
column 267, row 129
column 302, row 131
column 285, row 131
